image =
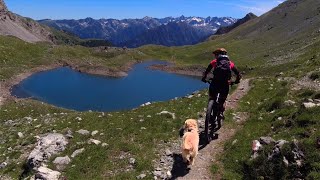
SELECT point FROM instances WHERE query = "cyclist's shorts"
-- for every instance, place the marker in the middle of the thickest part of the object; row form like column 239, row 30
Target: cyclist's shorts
column 215, row 90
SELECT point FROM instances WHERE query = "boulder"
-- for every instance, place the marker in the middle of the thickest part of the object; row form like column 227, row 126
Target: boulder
column 309, row 105
column 61, row 162
column 47, row 146
column 266, row 140
column 47, row 174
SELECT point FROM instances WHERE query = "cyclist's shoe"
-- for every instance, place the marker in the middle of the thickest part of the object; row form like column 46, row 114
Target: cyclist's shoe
column 212, row 134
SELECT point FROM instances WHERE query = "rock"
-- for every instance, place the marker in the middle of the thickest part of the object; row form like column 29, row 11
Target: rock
column 285, row 161
column 266, row 140
column 169, row 113
column 309, row 105
column 94, row 133
column 141, row 176
column 104, row 144
column 83, row 132
column 289, row 103
column 47, row 174
column 256, row 146
column 79, row 118
column 20, row 135
column 168, row 152
column 47, row 146
column 94, row 141
column 169, row 175
column 280, row 143
column 191, row 96
column 3, row 165
column 236, row 118
column 69, row 134
column 62, row 162
column 146, row 104
column 132, row 161
column 234, row 142
column 157, row 173
column 275, row 152
column 9, row 123
column 28, row 118
column 77, row 152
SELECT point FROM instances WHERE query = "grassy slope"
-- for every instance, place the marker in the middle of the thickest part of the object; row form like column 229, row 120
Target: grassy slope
column 121, row 130
column 17, row 56
column 276, row 37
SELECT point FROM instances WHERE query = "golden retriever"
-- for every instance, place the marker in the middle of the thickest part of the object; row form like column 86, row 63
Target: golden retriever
column 190, row 141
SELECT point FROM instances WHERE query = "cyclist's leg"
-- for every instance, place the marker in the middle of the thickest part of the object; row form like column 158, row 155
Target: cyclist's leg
column 223, row 97
column 213, row 94
column 222, row 102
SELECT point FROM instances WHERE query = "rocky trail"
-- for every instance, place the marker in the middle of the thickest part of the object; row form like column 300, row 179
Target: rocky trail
column 171, row 166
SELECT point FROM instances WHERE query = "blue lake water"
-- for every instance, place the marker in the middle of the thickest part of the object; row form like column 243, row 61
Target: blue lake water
column 64, row 87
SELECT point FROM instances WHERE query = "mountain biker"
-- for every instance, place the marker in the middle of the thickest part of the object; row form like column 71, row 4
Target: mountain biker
column 221, row 81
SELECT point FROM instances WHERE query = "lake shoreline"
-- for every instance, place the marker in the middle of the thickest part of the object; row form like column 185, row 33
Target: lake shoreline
column 6, row 86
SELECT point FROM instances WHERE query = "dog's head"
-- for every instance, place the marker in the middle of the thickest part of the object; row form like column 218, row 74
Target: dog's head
column 191, row 124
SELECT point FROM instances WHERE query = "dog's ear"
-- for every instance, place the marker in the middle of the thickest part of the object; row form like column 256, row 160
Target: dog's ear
column 181, row 131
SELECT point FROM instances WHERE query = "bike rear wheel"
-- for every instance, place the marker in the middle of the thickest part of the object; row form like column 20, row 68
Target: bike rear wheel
column 211, row 115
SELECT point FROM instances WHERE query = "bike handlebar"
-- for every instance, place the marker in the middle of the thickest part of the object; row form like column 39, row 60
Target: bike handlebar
column 231, row 83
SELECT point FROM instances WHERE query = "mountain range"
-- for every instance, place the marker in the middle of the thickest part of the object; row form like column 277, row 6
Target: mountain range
column 167, row 31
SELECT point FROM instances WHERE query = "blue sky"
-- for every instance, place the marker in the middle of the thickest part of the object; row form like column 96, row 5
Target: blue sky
column 121, row 9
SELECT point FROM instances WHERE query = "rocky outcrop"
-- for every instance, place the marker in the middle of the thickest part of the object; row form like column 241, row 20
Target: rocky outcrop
column 47, row 146
column 23, row 28
column 3, row 7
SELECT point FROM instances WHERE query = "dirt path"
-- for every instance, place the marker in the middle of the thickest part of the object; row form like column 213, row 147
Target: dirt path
column 211, row 152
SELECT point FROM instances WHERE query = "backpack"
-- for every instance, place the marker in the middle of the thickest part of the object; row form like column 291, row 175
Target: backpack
column 222, row 71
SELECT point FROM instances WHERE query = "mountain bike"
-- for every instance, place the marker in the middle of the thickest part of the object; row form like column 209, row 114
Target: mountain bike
column 214, row 116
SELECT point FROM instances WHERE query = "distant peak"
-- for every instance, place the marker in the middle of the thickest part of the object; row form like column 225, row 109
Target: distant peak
column 250, row 15
column 147, row 18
